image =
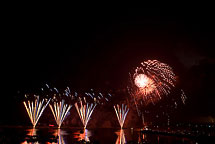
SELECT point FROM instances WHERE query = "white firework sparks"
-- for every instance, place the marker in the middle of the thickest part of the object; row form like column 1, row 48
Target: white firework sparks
column 85, row 111
column 121, row 113
column 35, row 109
column 60, row 111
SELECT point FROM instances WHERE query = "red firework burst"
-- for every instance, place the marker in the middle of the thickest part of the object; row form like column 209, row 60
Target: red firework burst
column 152, row 80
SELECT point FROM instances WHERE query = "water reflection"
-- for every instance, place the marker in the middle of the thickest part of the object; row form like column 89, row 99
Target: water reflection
column 32, row 132
column 82, row 135
column 31, row 137
column 59, row 133
column 142, row 138
column 121, row 137
column 103, row 136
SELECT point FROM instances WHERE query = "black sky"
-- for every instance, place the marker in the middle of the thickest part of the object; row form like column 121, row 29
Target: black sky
column 96, row 47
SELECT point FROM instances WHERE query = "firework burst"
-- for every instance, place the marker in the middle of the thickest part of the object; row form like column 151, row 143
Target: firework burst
column 121, row 113
column 151, row 81
column 35, row 109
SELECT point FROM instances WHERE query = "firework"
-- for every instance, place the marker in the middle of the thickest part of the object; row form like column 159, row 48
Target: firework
column 121, row 113
column 183, row 97
column 85, row 111
column 59, row 111
column 35, row 109
column 98, row 97
column 151, row 81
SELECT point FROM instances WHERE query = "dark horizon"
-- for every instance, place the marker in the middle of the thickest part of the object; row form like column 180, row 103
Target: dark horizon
column 98, row 48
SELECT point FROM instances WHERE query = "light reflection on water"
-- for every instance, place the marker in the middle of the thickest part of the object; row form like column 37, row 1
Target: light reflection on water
column 59, row 133
column 82, row 135
column 32, row 132
column 99, row 136
column 121, row 137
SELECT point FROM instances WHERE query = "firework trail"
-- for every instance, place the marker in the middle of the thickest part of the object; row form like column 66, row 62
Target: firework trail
column 121, row 113
column 143, row 119
column 149, row 82
column 60, row 111
column 183, row 97
column 85, row 111
column 59, row 108
column 35, row 109
column 98, row 97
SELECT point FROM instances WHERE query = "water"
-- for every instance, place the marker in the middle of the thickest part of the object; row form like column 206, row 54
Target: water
column 75, row 135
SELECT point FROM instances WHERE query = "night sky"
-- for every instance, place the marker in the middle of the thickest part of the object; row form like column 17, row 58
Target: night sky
column 96, row 47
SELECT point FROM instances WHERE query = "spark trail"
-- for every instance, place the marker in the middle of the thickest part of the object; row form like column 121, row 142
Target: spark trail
column 121, row 113
column 85, row 111
column 35, row 109
column 60, row 111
